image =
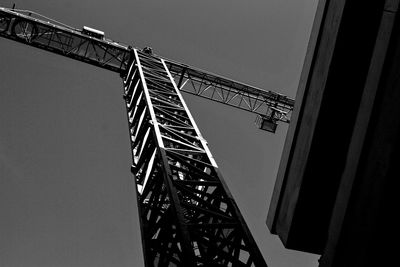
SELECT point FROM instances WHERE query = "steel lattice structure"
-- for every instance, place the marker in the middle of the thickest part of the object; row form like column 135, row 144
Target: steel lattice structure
column 188, row 216
column 23, row 27
column 29, row 28
column 235, row 94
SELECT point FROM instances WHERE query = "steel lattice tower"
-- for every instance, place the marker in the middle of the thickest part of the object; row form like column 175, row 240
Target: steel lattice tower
column 188, row 217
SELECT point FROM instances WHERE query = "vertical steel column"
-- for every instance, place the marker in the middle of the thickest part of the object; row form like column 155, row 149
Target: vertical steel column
column 187, row 215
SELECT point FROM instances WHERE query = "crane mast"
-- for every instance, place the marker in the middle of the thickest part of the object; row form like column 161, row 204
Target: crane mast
column 187, row 215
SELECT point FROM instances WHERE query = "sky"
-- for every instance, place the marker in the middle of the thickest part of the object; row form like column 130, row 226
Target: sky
column 67, row 197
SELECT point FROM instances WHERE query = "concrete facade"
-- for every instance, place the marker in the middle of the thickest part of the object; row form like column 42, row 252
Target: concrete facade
column 334, row 189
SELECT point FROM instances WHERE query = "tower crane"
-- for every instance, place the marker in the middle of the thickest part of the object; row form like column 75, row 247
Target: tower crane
column 187, row 215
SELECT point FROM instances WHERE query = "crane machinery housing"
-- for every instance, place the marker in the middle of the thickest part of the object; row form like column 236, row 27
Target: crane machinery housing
column 187, row 215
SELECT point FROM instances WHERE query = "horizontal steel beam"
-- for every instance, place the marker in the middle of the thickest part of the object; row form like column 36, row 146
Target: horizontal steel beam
column 90, row 47
column 63, row 40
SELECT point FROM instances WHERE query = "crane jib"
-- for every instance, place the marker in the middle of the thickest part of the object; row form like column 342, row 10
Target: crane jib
column 64, row 41
column 92, row 47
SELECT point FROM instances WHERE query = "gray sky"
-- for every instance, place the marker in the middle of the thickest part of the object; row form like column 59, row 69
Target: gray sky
column 66, row 193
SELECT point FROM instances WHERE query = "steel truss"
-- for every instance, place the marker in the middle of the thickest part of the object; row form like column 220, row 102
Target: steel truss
column 188, row 216
column 223, row 90
column 29, row 28
column 63, row 40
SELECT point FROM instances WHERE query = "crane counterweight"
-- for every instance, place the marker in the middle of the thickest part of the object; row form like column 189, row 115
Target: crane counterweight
column 93, row 32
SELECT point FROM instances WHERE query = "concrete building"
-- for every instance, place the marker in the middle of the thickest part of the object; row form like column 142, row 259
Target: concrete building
column 336, row 185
